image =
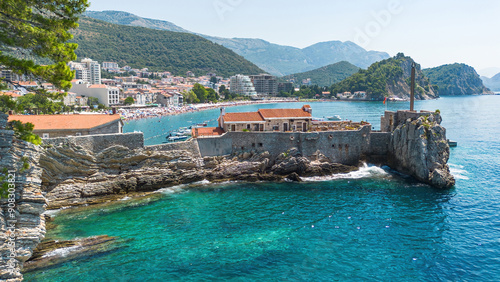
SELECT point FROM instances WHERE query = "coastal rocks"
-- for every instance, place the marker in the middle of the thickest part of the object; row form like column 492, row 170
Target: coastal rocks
column 419, row 148
column 22, row 225
column 50, row 253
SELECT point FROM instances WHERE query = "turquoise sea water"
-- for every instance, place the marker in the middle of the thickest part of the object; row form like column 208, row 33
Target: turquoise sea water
column 373, row 224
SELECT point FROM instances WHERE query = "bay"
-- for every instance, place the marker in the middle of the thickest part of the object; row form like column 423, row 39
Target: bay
column 373, row 224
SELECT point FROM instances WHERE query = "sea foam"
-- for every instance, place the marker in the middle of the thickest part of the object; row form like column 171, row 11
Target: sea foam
column 366, row 171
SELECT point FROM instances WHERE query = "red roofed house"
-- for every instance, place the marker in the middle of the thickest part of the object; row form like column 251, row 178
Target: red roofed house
column 268, row 120
column 52, row 126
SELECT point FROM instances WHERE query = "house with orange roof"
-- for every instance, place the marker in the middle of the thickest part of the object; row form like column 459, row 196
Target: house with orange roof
column 283, row 120
column 12, row 94
column 52, row 126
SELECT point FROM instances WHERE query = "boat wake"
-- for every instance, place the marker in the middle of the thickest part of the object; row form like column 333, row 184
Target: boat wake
column 458, row 171
column 366, row 171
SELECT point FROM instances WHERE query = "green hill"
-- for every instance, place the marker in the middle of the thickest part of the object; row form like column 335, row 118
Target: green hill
column 157, row 50
column 324, row 76
column 387, row 78
column 456, row 79
column 273, row 58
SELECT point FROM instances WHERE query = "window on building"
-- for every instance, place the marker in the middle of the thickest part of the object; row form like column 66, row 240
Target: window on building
column 276, row 127
column 45, row 135
column 78, row 134
column 233, row 127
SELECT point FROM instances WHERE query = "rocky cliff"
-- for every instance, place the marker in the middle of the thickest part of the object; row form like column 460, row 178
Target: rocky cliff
column 419, row 147
column 22, row 225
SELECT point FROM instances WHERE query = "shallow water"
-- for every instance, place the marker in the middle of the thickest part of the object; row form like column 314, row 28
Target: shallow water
column 373, row 224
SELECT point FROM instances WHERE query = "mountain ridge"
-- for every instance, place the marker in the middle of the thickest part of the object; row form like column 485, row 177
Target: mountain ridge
column 456, row 79
column 158, row 50
column 387, row 78
column 325, row 76
column 273, row 58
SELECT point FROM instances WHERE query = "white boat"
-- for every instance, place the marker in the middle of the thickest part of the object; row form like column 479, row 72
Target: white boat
column 335, row 117
column 177, row 138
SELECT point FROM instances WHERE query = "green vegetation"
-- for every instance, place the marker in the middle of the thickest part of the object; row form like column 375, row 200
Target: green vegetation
column 39, row 29
column 156, row 50
column 456, row 79
column 385, row 78
column 324, row 76
column 305, row 92
column 129, row 101
column 200, row 94
column 24, row 131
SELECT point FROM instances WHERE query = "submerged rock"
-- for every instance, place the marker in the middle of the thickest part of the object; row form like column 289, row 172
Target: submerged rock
column 50, row 253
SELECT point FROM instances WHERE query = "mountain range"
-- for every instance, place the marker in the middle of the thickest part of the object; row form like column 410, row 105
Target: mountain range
column 492, row 83
column 273, row 58
column 157, row 50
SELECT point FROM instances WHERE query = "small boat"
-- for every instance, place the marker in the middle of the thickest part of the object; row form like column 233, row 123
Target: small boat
column 177, row 138
column 203, row 124
column 335, row 117
column 452, row 143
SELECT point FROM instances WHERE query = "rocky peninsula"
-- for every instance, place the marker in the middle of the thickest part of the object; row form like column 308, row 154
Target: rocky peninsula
column 75, row 171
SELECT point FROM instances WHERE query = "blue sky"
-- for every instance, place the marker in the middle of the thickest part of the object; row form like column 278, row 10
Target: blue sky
column 433, row 32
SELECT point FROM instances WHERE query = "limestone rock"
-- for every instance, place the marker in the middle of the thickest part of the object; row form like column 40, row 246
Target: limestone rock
column 419, row 148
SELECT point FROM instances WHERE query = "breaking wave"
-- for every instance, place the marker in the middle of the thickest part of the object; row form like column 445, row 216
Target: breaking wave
column 458, row 171
column 366, row 171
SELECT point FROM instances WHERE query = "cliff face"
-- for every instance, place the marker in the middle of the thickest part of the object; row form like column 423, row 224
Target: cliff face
column 22, row 225
column 419, row 148
column 456, row 79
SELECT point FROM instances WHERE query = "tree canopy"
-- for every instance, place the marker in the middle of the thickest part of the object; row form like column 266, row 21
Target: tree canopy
column 38, row 30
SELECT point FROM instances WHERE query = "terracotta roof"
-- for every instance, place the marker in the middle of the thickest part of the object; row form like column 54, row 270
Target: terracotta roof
column 26, row 83
column 239, row 117
column 284, row 113
column 98, row 86
column 207, row 131
column 48, row 122
column 11, row 94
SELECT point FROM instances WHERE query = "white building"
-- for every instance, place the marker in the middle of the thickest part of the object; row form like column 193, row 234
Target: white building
column 87, row 70
column 110, row 65
column 242, row 85
column 107, row 95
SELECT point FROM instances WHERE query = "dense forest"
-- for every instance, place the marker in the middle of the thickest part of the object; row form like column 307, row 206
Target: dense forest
column 456, row 79
column 157, row 50
column 387, row 78
column 324, row 76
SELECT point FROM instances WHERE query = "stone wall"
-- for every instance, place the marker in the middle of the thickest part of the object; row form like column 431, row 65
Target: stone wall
column 344, row 147
column 21, row 212
column 190, row 146
column 98, row 143
column 390, row 120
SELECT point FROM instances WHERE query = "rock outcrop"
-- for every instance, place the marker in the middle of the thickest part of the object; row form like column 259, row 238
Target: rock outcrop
column 74, row 175
column 22, row 225
column 419, row 148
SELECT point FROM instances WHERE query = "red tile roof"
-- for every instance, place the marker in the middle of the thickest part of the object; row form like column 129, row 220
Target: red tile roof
column 207, row 131
column 11, row 94
column 241, row 117
column 284, row 113
column 51, row 122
